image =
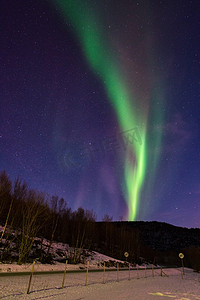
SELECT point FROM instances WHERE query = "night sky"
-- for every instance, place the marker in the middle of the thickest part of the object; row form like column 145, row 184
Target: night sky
column 99, row 104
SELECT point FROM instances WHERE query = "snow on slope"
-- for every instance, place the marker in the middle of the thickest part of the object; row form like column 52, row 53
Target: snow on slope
column 60, row 252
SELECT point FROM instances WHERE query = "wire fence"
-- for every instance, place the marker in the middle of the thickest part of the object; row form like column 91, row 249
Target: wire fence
column 12, row 287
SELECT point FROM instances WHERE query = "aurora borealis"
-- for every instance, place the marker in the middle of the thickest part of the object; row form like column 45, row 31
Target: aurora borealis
column 101, row 61
column 77, row 78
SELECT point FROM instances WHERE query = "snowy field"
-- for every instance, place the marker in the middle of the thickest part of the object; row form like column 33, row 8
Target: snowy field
column 138, row 287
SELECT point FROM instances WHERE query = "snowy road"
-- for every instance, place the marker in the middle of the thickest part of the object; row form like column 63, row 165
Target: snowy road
column 157, row 287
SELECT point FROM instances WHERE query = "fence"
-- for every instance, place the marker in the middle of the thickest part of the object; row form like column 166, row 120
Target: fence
column 54, row 281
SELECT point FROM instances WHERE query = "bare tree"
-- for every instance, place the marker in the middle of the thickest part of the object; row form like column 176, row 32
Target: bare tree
column 6, row 199
column 20, row 192
column 57, row 206
column 33, row 208
column 107, row 218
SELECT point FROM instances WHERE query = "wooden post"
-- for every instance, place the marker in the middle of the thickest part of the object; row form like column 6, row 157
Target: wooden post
column 137, row 272
column 181, row 273
column 145, row 271
column 117, row 272
column 104, row 269
column 152, row 271
column 63, row 282
column 87, row 274
column 161, row 272
column 129, row 272
column 183, row 267
column 181, row 255
column 31, row 275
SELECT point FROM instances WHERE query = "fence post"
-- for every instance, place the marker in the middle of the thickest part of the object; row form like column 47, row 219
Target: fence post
column 137, row 272
column 145, row 269
column 152, row 271
column 161, row 271
column 104, row 268
column 117, row 272
column 87, row 273
column 31, row 275
column 129, row 272
column 63, row 282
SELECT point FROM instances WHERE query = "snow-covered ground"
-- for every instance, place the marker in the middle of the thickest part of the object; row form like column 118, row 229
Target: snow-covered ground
column 110, row 286
column 138, row 287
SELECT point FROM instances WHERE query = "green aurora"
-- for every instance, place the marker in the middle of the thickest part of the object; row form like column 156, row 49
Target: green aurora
column 101, row 59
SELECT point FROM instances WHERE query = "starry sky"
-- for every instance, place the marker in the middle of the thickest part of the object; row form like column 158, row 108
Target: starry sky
column 99, row 104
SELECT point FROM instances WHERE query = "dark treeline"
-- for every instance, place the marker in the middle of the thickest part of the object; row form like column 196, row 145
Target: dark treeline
column 30, row 214
column 33, row 214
